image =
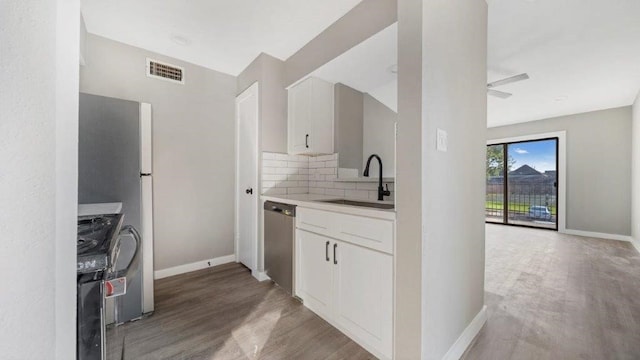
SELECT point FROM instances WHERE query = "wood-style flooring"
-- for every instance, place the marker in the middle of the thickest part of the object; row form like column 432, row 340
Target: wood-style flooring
column 548, row 295
column 555, row 296
column 224, row 313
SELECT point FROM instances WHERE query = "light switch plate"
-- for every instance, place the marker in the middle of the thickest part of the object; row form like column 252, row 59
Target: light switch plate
column 441, row 140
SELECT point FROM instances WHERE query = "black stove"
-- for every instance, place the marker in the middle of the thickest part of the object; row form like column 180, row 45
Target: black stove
column 96, row 238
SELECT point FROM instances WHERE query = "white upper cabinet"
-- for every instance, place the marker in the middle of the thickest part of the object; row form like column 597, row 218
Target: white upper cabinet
column 299, row 117
column 311, row 117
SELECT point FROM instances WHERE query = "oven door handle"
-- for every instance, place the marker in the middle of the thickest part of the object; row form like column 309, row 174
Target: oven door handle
column 133, row 263
column 115, row 255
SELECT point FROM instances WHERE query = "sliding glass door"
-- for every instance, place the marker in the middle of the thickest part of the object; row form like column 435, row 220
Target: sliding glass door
column 522, row 183
column 494, row 206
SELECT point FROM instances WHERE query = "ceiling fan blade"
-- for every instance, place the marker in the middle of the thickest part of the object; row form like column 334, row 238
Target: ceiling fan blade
column 500, row 94
column 508, row 80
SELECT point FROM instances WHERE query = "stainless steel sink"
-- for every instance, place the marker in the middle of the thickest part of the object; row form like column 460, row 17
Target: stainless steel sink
column 360, row 203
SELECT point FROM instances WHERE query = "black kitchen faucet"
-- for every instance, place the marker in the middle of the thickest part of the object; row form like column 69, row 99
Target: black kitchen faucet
column 381, row 191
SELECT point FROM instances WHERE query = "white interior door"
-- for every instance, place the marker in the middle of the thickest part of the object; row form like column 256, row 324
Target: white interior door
column 247, row 119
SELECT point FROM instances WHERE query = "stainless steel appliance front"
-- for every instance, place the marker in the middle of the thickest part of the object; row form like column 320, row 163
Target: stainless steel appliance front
column 279, row 235
column 114, row 156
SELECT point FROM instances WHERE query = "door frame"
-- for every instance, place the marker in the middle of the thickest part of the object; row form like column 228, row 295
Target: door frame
column 146, row 166
column 254, row 88
column 562, row 168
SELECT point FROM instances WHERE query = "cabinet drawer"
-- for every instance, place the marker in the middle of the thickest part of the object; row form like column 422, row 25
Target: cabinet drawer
column 372, row 233
column 314, row 220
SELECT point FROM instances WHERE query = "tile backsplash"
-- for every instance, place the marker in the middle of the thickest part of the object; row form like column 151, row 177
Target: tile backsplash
column 323, row 174
column 284, row 174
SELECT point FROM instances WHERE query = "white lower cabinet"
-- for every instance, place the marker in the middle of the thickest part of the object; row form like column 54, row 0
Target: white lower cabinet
column 363, row 295
column 314, row 282
column 350, row 286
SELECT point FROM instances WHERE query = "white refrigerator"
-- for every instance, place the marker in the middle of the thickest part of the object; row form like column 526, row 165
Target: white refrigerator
column 115, row 166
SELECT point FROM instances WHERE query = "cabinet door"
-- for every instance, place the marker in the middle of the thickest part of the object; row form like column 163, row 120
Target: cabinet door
column 364, row 295
column 299, row 117
column 313, row 276
column 322, row 117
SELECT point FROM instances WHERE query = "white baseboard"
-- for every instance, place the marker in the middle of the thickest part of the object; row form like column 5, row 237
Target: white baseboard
column 460, row 346
column 636, row 244
column 598, row 235
column 198, row 265
column 260, row 275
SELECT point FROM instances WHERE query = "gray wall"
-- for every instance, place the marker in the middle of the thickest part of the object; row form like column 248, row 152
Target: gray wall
column 348, row 125
column 363, row 126
column 408, row 244
column 363, row 21
column 193, row 147
column 455, row 100
column 270, row 74
column 598, row 166
column 39, row 43
column 379, row 135
column 635, row 168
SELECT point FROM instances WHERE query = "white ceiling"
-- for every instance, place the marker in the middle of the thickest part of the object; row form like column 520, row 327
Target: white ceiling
column 365, row 67
column 582, row 55
column 219, row 34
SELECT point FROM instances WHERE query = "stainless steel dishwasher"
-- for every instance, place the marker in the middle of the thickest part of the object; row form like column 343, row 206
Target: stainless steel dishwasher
column 279, row 235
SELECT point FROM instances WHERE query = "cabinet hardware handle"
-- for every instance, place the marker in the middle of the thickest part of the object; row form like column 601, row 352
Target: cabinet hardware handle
column 335, row 259
column 326, row 251
column 306, row 141
column 249, row 191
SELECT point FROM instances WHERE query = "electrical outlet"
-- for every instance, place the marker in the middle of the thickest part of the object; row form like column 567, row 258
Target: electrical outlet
column 441, row 140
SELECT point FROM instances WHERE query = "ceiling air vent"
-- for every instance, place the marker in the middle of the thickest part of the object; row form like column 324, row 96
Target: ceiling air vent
column 164, row 71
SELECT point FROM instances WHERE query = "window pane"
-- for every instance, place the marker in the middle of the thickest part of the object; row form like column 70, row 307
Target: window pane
column 531, row 183
column 494, row 204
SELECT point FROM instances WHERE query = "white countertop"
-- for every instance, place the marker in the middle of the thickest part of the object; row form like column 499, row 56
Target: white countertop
column 313, row 201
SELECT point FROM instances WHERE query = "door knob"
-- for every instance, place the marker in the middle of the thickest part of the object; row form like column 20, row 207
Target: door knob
column 249, row 191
